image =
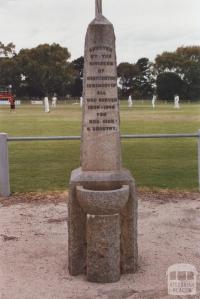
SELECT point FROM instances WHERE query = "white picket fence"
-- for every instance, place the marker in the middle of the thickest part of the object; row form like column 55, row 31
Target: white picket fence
column 6, row 102
column 4, row 161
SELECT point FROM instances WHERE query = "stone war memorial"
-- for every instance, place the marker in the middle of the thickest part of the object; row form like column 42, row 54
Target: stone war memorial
column 102, row 197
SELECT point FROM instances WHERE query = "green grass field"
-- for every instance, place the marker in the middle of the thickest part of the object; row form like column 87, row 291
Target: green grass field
column 44, row 165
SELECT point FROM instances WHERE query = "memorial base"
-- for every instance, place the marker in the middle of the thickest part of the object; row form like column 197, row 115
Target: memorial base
column 103, row 245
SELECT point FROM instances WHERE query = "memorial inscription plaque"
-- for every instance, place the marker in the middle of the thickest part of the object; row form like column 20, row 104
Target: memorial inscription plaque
column 100, row 129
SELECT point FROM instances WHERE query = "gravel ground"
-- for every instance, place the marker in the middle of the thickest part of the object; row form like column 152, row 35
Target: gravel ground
column 33, row 247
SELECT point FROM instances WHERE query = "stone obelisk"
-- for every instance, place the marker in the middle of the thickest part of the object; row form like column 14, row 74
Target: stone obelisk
column 101, row 148
column 102, row 197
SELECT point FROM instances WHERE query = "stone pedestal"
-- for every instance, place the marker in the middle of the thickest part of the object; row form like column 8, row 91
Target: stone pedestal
column 103, row 248
column 94, row 245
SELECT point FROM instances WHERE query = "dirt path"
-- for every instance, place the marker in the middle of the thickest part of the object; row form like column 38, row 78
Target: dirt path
column 33, row 247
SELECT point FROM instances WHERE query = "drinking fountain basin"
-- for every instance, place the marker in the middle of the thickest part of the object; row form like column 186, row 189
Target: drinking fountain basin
column 108, row 202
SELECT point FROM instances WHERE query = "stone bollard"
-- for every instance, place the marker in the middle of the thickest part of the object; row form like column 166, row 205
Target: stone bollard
column 4, row 166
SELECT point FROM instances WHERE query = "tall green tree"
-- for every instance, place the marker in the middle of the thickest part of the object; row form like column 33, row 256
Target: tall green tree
column 145, row 78
column 185, row 62
column 136, row 79
column 76, row 88
column 9, row 71
column 7, row 50
column 127, row 73
column 45, row 70
column 169, row 84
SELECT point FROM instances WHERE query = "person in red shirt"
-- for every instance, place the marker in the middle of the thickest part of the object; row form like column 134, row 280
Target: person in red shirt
column 12, row 103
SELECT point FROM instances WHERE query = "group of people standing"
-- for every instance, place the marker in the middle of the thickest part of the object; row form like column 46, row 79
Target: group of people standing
column 154, row 99
column 46, row 103
column 130, row 102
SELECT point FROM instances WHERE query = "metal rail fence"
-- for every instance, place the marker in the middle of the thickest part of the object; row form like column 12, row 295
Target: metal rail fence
column 4, row 161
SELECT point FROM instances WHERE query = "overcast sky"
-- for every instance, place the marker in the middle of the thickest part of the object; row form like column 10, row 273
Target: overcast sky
column 144, row 28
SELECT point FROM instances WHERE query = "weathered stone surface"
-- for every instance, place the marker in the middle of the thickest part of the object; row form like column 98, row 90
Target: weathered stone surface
column 100, row 150
column 108, row 180
column 98, row 8
column 76, row 235
column 102, row 201
column 103, row 248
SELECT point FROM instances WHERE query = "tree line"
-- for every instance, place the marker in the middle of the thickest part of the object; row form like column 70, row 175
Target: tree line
column 46, row 70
